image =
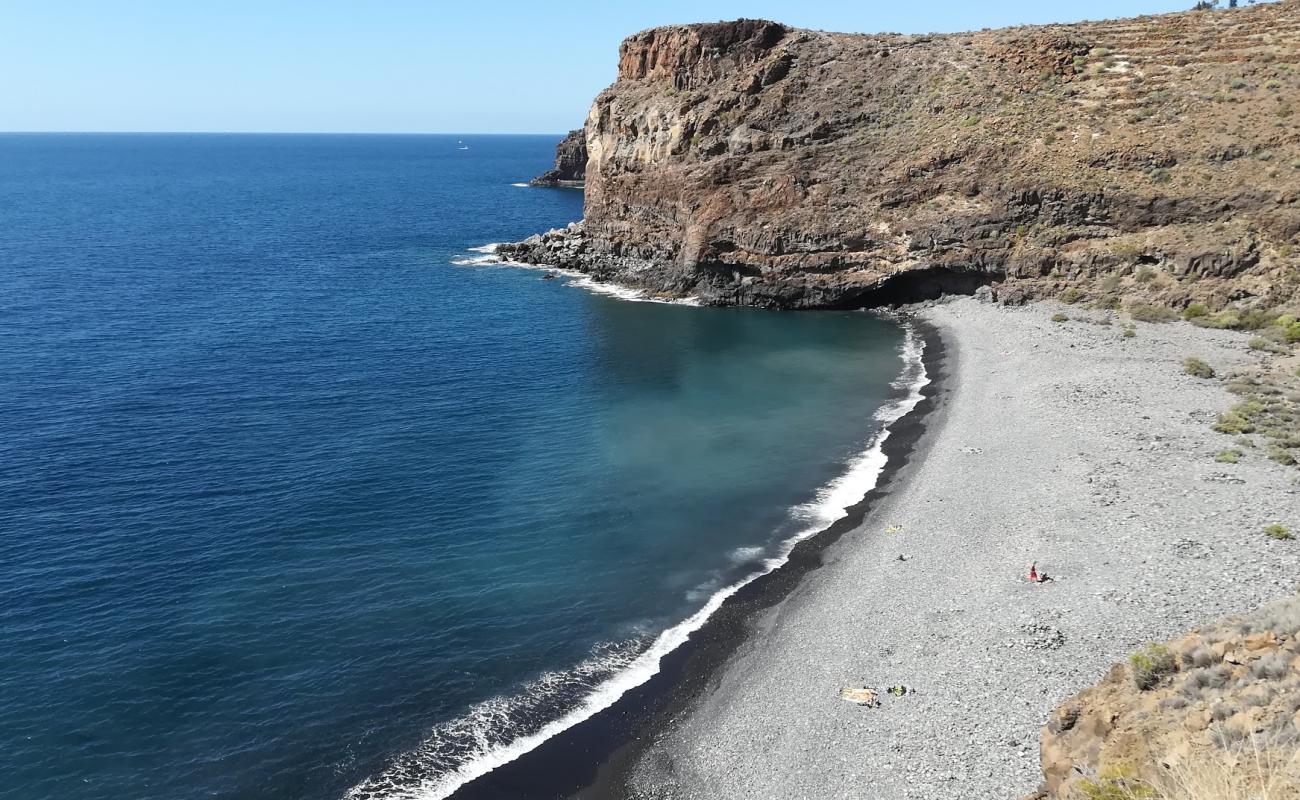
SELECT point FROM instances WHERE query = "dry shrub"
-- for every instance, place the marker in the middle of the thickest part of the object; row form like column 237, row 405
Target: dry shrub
column 1253, row 770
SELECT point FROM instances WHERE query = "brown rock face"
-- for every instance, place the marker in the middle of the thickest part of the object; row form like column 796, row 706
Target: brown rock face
column 749, row 163
column 570, row 162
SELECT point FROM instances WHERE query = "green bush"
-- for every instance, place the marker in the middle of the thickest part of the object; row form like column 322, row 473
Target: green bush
column 1196, row 311
column 1282, row 456
column 1224, row 320
column 1144, row 275
column 1291, row 333
column 1070, row 295
column 1279, row 532
column 1150, row 664
column 1145, row 312
column 1059, row 317
column 1129, row 332
column 1228, row 456
column 1116, row 783
column 1238, row 320
column 1197, row 368
column 1233, row 423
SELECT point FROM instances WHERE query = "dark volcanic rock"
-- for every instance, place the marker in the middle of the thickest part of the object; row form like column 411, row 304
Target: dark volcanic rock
column 754, row 164
column 570, row 162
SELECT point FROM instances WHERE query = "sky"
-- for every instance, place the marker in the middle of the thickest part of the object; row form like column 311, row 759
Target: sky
column 473, row 66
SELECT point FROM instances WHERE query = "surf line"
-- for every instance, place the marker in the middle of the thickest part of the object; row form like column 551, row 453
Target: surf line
column 425, row 774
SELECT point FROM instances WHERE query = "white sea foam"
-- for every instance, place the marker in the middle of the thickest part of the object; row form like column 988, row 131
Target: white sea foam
column 521, row 185
column 573, row 277
column 473, row 261
column 483, row 740
column 743, row 555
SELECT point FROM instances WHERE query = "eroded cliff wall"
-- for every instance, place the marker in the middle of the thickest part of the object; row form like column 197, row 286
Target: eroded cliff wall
column 750, row 163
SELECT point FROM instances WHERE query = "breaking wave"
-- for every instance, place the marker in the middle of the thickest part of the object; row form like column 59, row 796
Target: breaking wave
column 488, row 257
column 500, row 730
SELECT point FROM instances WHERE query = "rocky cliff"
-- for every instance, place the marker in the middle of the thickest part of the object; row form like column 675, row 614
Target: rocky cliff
column 570, row 162
column 1215, row 714
column 754, row 164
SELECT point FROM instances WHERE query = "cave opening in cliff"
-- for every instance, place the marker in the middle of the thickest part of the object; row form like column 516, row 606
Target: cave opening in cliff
column 919, row 285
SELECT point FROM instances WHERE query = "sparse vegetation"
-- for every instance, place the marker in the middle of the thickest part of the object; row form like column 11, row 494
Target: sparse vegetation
column 1196, row 311
column 1266, row 410
column 1279, row 532
column 1146, row 312
column 1129, row 332
column 1197, row 368
column 1240, row 319
column 1070, row 296
column 1150, row 664
column 1059, row 317
column 1228, row 456
column 1117, row 782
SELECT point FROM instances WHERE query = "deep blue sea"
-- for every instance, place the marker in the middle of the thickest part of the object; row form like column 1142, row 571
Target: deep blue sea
column 302, row 497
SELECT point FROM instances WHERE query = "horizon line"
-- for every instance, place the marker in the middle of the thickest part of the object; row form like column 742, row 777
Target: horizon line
column 276, row 133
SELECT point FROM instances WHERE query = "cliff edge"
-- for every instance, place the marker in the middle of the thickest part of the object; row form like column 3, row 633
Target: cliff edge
column 570, row 168
column 748, row 163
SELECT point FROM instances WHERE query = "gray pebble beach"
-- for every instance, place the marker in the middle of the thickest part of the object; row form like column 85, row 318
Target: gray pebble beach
column 1058, row 443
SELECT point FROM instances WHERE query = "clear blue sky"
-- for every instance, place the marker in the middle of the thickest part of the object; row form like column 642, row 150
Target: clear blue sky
column 386, row 65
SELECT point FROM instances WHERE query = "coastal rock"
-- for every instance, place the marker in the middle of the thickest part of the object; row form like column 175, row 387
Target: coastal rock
column 748, row 163
column 1221, row 711
column 570, row 163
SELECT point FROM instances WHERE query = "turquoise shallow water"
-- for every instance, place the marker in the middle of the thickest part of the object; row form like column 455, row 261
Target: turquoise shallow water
column 294, row 504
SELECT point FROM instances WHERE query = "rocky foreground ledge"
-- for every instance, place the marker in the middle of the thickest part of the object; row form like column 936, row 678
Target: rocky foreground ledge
column 1213, row 714
column 1148, row 160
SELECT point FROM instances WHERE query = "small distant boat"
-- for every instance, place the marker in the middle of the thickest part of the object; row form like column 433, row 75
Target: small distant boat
column 463, row 146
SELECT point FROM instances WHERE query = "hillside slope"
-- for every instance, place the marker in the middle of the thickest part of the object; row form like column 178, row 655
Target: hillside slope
column 1214, row 714
column 754, row 164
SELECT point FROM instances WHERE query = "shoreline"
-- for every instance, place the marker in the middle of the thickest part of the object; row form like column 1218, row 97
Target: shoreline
column 586, row 760
column 1062, row 443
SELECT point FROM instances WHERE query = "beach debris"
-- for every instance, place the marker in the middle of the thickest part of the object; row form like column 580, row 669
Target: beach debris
column 900, row 690
column 972, row 450
column 902, row 557
column 1041, row 636
column 863, row 696
column 895, row 528
column 1190, row 548
column 1034, row 576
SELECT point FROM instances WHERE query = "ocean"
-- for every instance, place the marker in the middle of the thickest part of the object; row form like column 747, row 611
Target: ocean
column 305, row 494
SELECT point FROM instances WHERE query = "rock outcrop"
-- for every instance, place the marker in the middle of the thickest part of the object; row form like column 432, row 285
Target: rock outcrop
column 1219, row 707
column 749, row 163
column 570, row 168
